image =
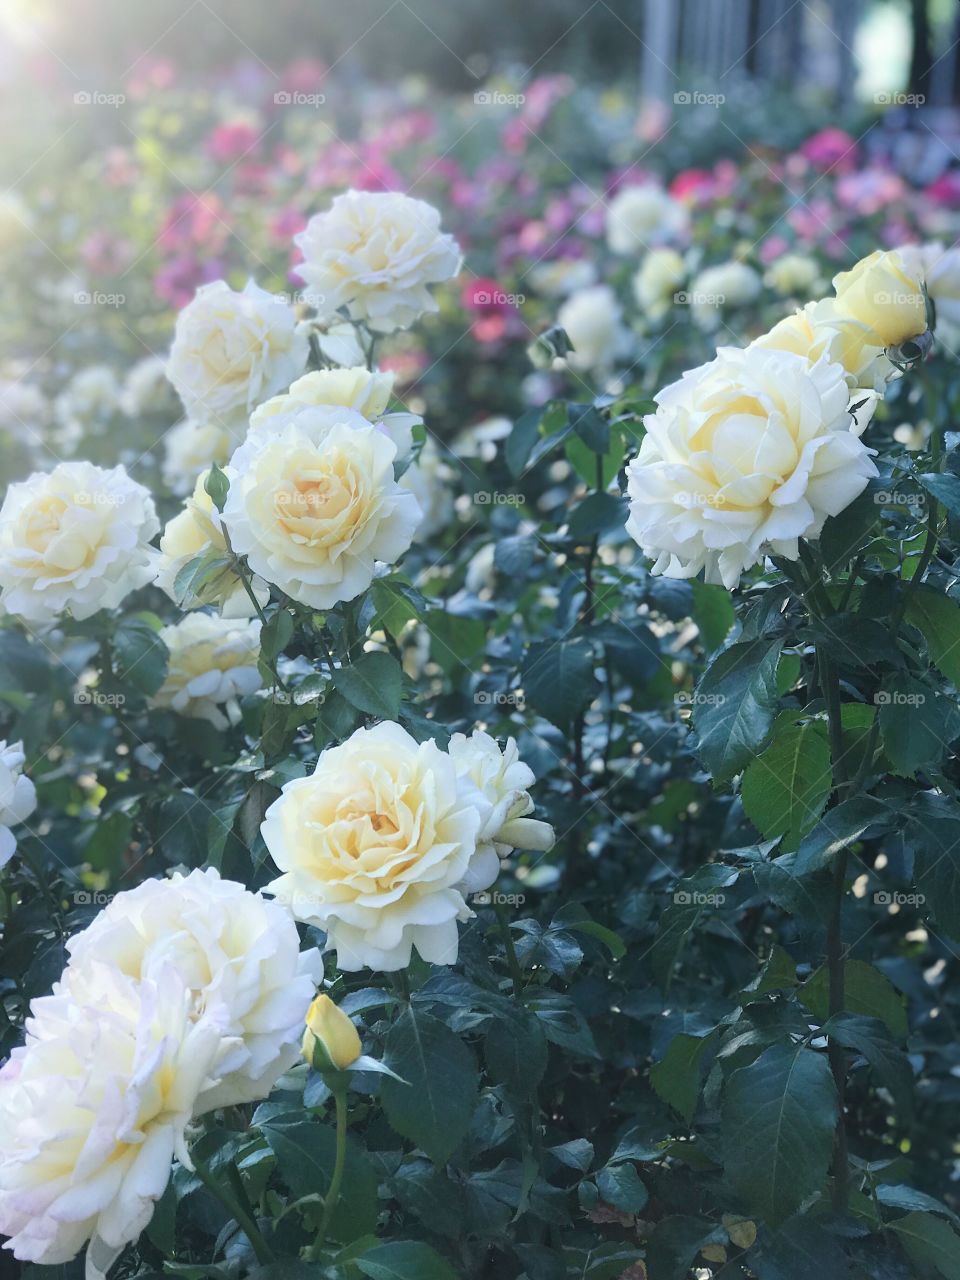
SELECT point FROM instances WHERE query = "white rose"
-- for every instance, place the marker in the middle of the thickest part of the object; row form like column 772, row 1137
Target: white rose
column 93, row 1109
column 502, row 778
column 794, row 275
column 76, row 539
column 238, row 955
column 743, row 457
column 147, row 390
column 378, row 847
column 593, row 320
column 661, row 274
column 366, row 393
column 189, row 448
column 641, row 216
column 819, row 332
column 428, row 479
column 90, row 399
column 24, row 410
column 213, row 663
column 375, row 253
column 560, row 276
column 717, row 289
column 314, row 506
column 18, row 796
column 940, row 268
column 231, row 351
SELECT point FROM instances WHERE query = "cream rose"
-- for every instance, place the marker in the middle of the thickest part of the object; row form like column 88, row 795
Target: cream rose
column 502, row 778
column 74, row 540
column 212, row 664
column 231, row 351
column 314, row 505
column 236, row 953
column 375, row 253
column 378, row 847
column 939, row 267
column 366, row 393
column 18, row 796
column 645, row 215
column 197, row 531
column 793, row 275
column 661, row 274
column 743, row 457
column 147, row 390
column 593, row 320
column 89, row 401
column 718, row 289
column 818, row 332
column 882, row 294
column 93, row 1109
column 189, row 448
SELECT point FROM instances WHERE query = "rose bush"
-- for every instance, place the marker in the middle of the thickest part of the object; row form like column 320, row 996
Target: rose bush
column 505, row 829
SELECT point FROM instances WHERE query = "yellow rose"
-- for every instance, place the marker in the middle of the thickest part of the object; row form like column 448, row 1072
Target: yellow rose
column 330, row 1040
column 355, row 388
column 820, row 331
column 880, row 293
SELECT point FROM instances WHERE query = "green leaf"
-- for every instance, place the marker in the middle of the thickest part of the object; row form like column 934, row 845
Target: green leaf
column 735, row 703
column 620, row 1185
column 395, row 604
column 305, row 1152
column 929, row 1242
column 838, row 829
column 843, row 535
column 785, row 789
column 373, row 684
column 591, row 426
column 677, row 1076
column 932, row 829
column 522, row 438
column 107, row 847
column 435, row 1109
column 198, row 574
column 779, row 1115
column 866, row 991
column 457, row 640
column 596, row 515
column 558, row 678
column 917, row 725
column 405, row 1260
column 937, row 617
column 713, row 613
column 869, row 1037
column 515, row 1052
column 276, row 634
column 945, row 487
column 139, row 656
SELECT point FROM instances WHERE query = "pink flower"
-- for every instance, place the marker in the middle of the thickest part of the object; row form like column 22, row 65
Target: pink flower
column 772, row 248
column 194, row 222
column 832, row 149
column 229, row 142
column 945, row 190
column 178, row 280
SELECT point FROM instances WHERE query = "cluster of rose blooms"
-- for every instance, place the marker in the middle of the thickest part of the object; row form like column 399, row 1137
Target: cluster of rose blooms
column 190, row 993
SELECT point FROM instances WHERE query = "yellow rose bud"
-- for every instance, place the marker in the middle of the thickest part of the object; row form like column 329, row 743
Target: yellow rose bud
column 330, row 1041
column 881, row 293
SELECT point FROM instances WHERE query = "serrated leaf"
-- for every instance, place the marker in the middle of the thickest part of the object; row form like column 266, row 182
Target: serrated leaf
column 373, row 684
column 929, row 1242
column 405, row 1260
column 735, row 703
column 866, row 991
column 937, row 617
column 785, row 788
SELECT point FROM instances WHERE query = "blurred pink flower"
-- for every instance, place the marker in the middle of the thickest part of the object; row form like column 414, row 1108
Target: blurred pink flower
column 303, row 75
column 104, row 254
column 150, row 75
column 832, row 149
column 772, row 248
column 178, row 280
column 697, row 185
column 945, row 190
column 194, row 222
column 869, row 190
column 229, row 142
